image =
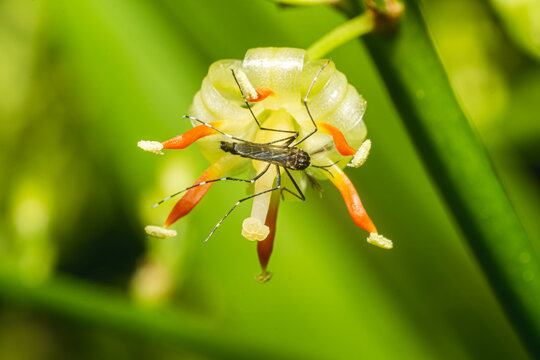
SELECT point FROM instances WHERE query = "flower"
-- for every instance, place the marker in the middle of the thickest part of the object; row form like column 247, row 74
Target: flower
column 274, row 81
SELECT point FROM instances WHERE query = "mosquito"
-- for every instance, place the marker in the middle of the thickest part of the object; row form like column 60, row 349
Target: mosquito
column 283, row 154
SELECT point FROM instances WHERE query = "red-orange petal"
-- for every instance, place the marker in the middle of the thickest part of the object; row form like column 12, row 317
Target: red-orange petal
column 339, row 140
column 182, row 141
column 262, row 93
column 352, row 200
column 265, row 247
column 194, row 195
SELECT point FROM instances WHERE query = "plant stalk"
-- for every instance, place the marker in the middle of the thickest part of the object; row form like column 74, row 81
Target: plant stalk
column 461, row 168
column 93, row 305
column 356, row 27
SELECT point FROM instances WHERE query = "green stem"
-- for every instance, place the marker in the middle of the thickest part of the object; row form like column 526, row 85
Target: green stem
column 98, row 306
column 352, row 29
column 457, row 161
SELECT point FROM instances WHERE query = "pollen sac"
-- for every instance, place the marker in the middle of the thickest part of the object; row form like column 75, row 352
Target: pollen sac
column 361, row 155
column 380, row 241
column 151, row 146
column 288, row 73
column 159, row 232
column 254, row 230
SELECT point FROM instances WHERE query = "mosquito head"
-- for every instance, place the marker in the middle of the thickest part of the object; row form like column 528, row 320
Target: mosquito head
column 226, row 146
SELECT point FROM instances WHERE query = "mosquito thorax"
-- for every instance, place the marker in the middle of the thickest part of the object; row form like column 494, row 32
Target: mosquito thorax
column 300, row 159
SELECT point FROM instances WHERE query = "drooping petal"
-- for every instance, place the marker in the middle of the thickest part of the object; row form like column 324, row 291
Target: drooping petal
column 352, row 200
column 339, row 140
column 264, row 248
column 194, row 195
column 189, row 137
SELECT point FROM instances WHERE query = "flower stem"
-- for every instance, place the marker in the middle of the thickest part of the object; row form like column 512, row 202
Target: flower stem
column 456, row 159
column 352, row 29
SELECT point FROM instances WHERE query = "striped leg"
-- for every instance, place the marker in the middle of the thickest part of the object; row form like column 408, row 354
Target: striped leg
column 306, row 105
column 278, row 186
column 216, row 129
column 253, row 115
column 300, row 195
column 251, row 181
column 287, row 141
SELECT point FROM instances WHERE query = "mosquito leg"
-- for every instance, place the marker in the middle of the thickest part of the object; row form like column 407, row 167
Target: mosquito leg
column 288, row 140
column 278, row 186
column 306, row 105
column 216, row 129
column 251, row 181
column 300, row 195
column 253, row 114
column 324, row 167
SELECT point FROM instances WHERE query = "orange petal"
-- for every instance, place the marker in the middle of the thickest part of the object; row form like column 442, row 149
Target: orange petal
column 194, row 195
column 189, row 137
column 339, row 140
column 265, row 247
column 352, row 200
column 262, row 93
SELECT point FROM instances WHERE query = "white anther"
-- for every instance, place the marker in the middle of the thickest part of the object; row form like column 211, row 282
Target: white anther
column 263, row 277
column 159, row 232
column 380, row 241
column 254, row 230
column 249, row 91
column 361, row 154
column 151, row 146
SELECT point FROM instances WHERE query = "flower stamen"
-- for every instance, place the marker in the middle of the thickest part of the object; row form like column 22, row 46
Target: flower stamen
column 182, row 141
column 159, row 231
column 361, row 154
column 151, row 146
column 195, row 194
column 245, row 85
column 339, row 140
column 262, row 93
column 265, row 247
column 352, row 200
column 380, row 241
column 254, row 230
column 251, row 93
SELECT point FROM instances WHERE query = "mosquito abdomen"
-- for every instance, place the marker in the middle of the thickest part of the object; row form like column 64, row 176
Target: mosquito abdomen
column 289, row 157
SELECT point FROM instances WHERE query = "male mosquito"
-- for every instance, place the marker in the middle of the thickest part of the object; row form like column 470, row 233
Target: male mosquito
column 283, row 153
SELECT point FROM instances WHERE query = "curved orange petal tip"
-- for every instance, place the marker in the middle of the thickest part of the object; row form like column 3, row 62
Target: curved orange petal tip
column 265, row 247
column 194, row 195
column 352, row 200
column 262, row 93
column 339, row 140
column 182, row 141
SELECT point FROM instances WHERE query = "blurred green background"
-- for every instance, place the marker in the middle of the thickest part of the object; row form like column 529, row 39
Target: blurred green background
column 82, row 81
